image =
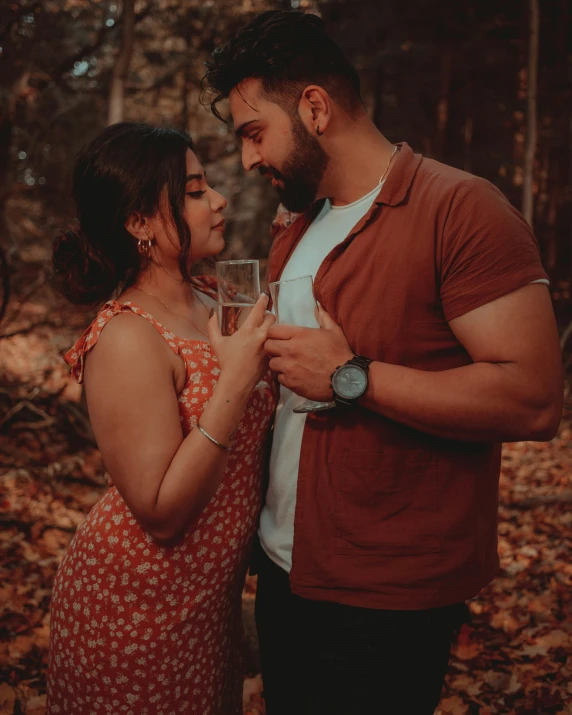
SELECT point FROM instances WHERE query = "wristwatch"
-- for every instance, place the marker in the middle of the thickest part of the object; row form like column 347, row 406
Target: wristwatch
column 349, row 381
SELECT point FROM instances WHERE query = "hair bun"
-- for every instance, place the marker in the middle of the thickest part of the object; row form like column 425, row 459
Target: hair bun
column 65, row 245
column 83, row 274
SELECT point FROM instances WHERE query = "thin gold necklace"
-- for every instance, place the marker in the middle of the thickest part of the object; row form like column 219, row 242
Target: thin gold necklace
column 174, row 312
column 388, row 165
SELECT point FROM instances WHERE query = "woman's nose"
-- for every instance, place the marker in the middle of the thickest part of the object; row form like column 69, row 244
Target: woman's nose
column 218, row 202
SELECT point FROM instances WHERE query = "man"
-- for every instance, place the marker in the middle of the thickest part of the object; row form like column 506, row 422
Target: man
column 380, row 516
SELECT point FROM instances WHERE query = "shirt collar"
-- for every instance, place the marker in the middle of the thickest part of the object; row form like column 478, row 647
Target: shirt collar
column 392, row 193
column 398, row 182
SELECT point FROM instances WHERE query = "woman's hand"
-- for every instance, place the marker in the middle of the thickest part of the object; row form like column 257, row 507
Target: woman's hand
column 241, row 357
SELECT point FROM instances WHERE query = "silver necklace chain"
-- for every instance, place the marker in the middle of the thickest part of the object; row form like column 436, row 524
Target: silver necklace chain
column 388, row 164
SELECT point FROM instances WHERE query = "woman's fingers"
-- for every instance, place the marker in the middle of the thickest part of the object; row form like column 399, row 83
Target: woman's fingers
column 269, row 320
column 258, row 312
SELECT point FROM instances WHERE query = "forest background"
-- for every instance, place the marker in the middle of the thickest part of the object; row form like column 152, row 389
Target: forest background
column 481, row 85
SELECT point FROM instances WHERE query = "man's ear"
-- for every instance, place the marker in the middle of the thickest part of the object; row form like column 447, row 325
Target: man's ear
column 315, row 109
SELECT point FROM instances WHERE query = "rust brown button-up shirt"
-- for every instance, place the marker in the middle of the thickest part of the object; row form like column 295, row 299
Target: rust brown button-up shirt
column 387, row 516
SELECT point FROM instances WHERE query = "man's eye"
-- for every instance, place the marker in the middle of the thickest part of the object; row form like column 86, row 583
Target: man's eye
column 196, row 194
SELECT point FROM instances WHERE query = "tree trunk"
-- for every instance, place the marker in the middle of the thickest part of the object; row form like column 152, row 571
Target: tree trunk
column 551, row 260
column 187, row 77
column 377, row 97
column 443, row 105
column 469, row 128
column 531, row 130
column 570, row 184
column 119, row 75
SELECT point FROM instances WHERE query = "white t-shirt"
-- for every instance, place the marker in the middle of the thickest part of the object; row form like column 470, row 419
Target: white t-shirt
column 330, row 227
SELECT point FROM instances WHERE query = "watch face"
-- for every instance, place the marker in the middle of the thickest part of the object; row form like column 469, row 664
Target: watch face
column 349, row 382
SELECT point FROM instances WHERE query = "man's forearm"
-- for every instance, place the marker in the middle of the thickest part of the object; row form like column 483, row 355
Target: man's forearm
column 482, row 402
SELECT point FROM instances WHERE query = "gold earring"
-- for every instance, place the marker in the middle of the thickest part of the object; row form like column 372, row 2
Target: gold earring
column 144, row 247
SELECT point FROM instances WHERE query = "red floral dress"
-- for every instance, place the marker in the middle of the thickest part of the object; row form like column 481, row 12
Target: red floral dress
column 142, row 629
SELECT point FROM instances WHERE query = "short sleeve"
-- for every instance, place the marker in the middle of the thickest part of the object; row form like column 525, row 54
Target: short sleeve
column 487, row 251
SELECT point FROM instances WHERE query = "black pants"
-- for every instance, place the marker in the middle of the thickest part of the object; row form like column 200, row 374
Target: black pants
column 321, row 658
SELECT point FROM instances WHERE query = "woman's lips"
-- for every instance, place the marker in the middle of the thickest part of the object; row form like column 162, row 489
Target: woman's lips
column 220, row 226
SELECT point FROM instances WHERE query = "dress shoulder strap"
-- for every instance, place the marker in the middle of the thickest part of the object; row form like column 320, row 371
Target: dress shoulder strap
column 75, row 357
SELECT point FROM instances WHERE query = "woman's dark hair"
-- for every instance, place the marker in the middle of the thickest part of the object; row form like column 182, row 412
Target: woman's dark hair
column 123, row 170
column 287, row 50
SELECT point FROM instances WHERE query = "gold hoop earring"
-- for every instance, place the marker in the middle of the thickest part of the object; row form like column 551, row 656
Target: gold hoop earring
column 144, row 247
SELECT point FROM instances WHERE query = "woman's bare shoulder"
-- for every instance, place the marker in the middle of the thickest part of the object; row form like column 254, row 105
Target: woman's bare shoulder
column 129, row 342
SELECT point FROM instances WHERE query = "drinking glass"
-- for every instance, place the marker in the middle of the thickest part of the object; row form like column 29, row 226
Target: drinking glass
column 295, row 304
column 238, row 290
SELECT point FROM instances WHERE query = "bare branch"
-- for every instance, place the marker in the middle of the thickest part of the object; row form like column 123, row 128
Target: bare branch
column 5, row 31
column 158, row 83
column 531, row 115
column 45, row 419
column 30, row 328
column 122, row 62
column 39, row 283
column 102, row 35
column 78, row 420
column 564, row 497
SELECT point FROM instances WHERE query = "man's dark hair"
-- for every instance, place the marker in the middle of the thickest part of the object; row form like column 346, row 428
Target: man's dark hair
column 287, row 50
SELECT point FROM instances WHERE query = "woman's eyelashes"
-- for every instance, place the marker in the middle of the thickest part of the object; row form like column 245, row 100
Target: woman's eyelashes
column 196, row 194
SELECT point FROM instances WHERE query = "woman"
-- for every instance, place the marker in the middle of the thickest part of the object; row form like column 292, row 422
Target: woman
column 146, row 606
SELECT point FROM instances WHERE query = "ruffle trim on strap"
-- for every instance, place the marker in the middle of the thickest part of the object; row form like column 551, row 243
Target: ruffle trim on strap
column 75, row 357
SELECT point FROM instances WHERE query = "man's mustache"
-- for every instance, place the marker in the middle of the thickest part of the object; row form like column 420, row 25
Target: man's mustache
column 268, row 171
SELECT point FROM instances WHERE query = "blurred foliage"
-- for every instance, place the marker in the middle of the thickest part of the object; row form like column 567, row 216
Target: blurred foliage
column 447, row 77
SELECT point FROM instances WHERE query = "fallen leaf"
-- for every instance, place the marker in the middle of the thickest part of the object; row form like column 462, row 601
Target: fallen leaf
column 36, row 705
column 468, row 652
column 453, row 706
column 20, row 646
column 7, row 699
column 496, row 681
column 555, row 639
column 252, row 686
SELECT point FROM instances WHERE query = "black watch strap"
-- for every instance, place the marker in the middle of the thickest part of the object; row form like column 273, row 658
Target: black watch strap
column 360, row 361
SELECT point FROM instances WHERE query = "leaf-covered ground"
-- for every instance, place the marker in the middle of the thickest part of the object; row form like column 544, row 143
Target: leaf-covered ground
column 515, row 657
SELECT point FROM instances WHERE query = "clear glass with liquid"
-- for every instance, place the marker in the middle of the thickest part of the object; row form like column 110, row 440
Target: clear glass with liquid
column 232, row 315
column 238, row 290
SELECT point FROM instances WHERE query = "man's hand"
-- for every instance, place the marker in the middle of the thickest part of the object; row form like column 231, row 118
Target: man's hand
column 305, row 358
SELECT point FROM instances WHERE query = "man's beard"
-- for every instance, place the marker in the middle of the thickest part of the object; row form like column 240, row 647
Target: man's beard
column 302, row 171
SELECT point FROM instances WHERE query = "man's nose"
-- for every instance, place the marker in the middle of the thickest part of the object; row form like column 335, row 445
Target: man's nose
column 251, row 159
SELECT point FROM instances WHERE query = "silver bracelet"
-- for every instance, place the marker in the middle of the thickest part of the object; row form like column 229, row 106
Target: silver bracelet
column 212, row 439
